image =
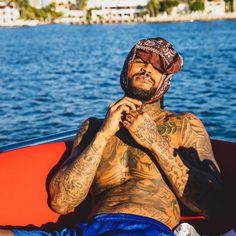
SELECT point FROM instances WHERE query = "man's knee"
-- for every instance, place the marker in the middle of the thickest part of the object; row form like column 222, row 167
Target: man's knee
column 4, row 232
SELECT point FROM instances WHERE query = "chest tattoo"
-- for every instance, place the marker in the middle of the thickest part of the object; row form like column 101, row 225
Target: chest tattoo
column 167, row 128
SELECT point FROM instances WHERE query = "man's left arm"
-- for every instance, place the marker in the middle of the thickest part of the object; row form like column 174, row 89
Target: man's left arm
column 191, row 169
column 204, row 188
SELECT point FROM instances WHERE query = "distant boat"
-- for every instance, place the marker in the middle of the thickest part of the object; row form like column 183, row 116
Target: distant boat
column 25, row 170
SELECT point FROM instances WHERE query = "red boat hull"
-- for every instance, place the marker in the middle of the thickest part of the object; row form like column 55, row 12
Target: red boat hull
column 25, row 174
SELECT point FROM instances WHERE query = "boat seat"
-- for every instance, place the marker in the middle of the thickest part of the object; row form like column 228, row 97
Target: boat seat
column 25, row 174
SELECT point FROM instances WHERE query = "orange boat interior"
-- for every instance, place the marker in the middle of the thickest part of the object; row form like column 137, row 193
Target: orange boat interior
column 25, row 174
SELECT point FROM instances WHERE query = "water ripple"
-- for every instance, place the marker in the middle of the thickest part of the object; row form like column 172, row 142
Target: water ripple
column 54, row 77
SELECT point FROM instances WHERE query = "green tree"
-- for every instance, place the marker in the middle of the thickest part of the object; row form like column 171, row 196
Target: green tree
column 196, row 5
column 72, row 6
column 167, row 5
column 22, row 5
column 153, row 7
column 28, row 12
column 229, row 5
column 82, row 4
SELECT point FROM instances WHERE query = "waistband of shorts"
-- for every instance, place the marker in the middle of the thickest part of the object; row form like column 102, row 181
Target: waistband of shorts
column 127, row 216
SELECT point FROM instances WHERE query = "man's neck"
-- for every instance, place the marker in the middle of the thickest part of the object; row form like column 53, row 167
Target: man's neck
column 153, row 109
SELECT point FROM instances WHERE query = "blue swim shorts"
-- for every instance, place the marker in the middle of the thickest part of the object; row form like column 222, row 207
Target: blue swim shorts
column 107, row 225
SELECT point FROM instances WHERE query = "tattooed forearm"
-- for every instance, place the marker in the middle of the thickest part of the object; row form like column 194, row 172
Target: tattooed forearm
column 71, row 184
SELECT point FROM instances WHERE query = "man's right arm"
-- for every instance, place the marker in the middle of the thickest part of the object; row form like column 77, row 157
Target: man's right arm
column 69, row 187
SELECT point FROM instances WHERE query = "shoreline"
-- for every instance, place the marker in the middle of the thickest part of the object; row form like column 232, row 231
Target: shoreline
column 159, row 19
column 168, row 18
column 194, row 17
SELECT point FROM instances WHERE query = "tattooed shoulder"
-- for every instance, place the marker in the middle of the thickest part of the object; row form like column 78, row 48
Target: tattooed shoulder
column 195, row 137
column 192, row 128
column 190, row 116
column 82, row 130
column 89, row 128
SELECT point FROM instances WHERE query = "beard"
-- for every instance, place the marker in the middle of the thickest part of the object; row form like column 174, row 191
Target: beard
column 140, row 94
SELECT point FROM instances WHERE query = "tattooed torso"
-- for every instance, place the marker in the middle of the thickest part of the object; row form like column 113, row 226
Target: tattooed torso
column 132, row 171
column 129, row 181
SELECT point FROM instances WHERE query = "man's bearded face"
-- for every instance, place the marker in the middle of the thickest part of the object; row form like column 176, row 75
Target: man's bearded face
column 139, row 93
column 143, row 80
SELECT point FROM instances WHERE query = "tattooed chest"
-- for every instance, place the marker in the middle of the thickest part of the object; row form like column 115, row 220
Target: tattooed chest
column 121, row 163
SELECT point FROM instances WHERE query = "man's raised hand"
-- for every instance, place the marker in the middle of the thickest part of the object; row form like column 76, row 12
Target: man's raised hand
column 115, row 114
column 142, row 128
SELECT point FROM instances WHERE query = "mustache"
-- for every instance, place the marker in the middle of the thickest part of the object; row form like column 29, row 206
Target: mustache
column 143, row 73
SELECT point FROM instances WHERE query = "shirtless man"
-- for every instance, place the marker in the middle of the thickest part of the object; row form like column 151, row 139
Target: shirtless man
column 141, row 157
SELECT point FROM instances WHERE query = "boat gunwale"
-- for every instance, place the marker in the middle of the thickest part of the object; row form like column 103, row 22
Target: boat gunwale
column 63, row 136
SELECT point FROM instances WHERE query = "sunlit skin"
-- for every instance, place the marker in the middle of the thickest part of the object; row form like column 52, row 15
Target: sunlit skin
column 152, row 78
column 123, row 159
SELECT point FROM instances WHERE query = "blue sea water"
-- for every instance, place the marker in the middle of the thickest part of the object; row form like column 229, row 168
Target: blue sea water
column 53, row 77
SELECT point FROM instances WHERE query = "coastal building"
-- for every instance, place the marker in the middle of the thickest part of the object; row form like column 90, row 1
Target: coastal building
column 60, row 5
column 8, row 14
column 36, row 3
column 181, row 9
column 69, row 16
column 116, row 10
column 72, row 17
column 93, row 4
column 215, row 7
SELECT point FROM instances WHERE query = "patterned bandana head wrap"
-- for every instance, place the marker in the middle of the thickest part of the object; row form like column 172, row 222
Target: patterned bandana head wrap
column 161, row 55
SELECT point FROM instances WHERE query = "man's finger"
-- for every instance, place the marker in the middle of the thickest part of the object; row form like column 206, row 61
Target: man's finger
column 126, row 123
column 129, row 117
column 123, row 102
column 122, row 109
column 134, row 113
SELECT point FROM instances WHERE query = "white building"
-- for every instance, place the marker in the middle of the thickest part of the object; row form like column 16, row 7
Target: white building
column 36, row 3
column 68, row 16
column 72, row 17
column 8, row 15
column 115, row 3
column 94, row 4
column 181, row 9
column 123, row 3
column 215, row 7
column 60, row 5
column 116, row 10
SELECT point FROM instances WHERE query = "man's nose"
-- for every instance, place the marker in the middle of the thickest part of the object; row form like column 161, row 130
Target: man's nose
column 147, row 68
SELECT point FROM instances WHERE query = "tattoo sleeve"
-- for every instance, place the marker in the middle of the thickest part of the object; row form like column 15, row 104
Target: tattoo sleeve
column 70, row 185
column 192, row 169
